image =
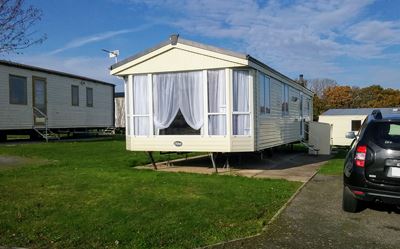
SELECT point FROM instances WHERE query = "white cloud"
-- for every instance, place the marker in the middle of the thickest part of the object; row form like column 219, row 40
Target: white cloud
column 79, row 42
column 376, row 32
column 306, row 36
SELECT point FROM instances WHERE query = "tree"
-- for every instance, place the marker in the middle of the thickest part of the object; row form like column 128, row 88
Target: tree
column 16, row 22
column 319, row 106
column 319, row 85
column 338, row 97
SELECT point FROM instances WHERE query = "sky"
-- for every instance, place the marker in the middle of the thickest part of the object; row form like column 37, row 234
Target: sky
column 355, row 42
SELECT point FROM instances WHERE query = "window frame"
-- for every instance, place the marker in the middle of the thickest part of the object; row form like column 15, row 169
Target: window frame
column 263, row 94
column 237, row 113
column 285, row 99
column 72, row 95
column 87, row 97
column 359, row 125
column 308, row 107
column 149, row 100
column 25, row 102
column 220, row 113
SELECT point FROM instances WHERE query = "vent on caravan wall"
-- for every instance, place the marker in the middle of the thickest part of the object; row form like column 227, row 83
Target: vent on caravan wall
column 174, row 39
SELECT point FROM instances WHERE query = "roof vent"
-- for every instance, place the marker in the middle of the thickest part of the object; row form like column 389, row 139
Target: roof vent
column 174, row 39
column 301, row 80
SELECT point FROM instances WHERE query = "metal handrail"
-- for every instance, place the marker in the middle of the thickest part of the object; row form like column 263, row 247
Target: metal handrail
column 45, row 121
column 40, row 112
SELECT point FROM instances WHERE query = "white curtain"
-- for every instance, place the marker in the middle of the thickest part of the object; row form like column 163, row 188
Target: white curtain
column 174, row 91
column 216, row 102
column 241, row 120
column 165, row 99
column 241, row 124
column 140, row 105
column 217, row 125
column 191, row 98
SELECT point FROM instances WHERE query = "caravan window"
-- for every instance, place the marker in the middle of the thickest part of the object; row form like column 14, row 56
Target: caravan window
column 264, row 90
column 178, row 102
column 18, row 90
column 308, row 107
column 75, row 95
column 241, row 102
column 141, row 108
column 355, row 125
column 216, row 85
column 89, row 97
column 285, row 100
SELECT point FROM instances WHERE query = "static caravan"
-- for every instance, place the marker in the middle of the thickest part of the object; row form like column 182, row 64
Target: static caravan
column 39, row 101
column 119, row 100
column 186, row 96
column 345, row 120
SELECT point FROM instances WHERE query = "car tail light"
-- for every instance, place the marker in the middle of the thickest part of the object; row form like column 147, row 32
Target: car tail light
column 361, row 154
column 356, row 192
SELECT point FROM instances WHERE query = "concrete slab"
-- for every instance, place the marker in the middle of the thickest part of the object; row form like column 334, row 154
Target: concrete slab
column 289, row 165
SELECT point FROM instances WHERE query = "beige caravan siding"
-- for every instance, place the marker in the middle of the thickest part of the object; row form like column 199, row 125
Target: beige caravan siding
column 340, row 125
column 120, row 112
column 274, row 129
column 178, row 59
column 14, row 116
column 61, row 113
column 188, row 143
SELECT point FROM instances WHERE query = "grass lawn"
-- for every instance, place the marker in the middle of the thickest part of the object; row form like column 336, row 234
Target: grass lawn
column 88, row 195
column 335, row 165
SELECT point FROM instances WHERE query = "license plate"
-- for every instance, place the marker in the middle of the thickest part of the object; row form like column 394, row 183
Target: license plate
column 394, row 172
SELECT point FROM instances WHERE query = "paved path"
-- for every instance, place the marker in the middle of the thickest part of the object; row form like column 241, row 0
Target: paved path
column 315, row 220
column 292, row 166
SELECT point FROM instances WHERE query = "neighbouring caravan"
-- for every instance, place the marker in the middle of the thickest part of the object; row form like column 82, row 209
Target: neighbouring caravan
column 346, row 120
column 119, row 100
column 186, row 96
column 38, row 101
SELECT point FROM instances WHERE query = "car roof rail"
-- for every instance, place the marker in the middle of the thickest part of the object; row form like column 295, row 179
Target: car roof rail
column 377, row 114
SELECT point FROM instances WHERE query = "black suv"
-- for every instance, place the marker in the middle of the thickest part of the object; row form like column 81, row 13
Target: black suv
column 372, row 166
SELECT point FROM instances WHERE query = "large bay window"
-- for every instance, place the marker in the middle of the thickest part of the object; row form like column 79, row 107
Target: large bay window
column 241, row 103
column 216, row 86
column 264, row 90
column 173, row 92
column 188, row 103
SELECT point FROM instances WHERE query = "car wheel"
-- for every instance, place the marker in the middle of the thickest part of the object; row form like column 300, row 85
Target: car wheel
column 350, row 203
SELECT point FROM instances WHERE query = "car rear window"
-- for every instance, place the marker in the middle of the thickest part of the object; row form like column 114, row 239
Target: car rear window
column 385, row 134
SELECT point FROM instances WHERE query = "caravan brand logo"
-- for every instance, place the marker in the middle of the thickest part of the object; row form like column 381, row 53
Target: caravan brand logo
column 178, row 143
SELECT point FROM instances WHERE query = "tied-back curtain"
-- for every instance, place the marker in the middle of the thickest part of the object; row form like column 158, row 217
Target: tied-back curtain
column 165, row 99
column 174, row 91
column 216, row 102
column 191, row 98
column 241, row 110
column 140, row 105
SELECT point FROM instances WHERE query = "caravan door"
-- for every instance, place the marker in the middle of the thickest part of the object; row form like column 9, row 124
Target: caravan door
column 39, row 90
